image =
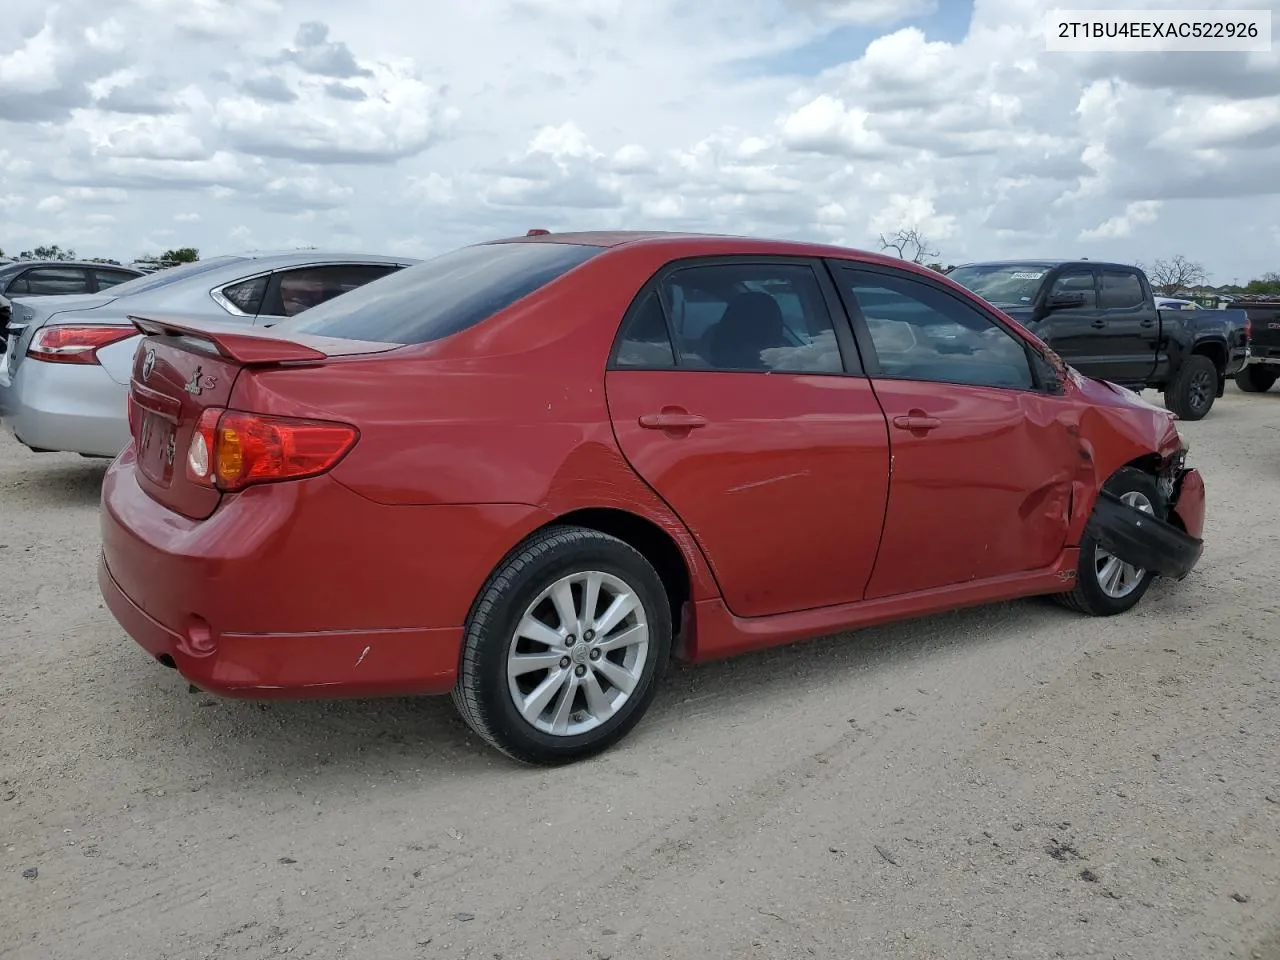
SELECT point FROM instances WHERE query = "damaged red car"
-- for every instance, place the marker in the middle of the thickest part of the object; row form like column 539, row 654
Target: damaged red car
column 532, row 472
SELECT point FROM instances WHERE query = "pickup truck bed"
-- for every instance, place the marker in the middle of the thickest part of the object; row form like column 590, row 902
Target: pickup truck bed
column 1263, row 369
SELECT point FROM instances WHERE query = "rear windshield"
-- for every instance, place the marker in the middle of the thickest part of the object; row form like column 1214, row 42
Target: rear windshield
column 162, row 278
column 442, row 296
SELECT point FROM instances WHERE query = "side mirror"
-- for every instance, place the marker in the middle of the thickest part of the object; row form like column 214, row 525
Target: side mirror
column 1050, row 371
column 1065, row 301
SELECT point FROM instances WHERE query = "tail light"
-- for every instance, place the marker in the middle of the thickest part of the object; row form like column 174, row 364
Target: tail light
column 232, row 450
column 68, row 344
column 1248, row 328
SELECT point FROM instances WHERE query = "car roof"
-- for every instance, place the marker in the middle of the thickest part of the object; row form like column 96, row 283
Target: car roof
column 705, row 243
column 1047, row 262
column 7, row 266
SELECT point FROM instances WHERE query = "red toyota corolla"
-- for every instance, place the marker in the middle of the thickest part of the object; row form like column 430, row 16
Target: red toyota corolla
column 531, row 472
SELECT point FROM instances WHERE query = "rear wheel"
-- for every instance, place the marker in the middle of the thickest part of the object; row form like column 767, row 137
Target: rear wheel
column 1256, row 378
column 1106, row 585
column 564, row 648
column 1193, row 389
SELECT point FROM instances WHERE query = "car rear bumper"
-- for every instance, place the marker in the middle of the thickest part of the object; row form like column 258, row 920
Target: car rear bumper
column 292, row 665
column 299, row 590
column 65, row 407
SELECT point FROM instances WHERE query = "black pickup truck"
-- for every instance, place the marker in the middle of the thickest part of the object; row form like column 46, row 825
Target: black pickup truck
column 1263, row 369
column 1102, row 319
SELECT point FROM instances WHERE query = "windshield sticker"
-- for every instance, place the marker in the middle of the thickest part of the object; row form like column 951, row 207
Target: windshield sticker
column 1027, row 276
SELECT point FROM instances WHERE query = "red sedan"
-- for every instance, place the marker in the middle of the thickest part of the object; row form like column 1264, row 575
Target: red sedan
column 531, row 472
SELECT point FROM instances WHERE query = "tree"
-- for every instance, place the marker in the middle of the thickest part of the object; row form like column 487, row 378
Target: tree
column 54, row 252
column 1267, row 284
column 170, row 258
column 909, row 244
column 1170, row 276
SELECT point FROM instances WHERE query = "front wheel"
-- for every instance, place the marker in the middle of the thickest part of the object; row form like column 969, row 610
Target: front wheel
column 564, row 648
column 1106, row 585
column 1256, row 378
column 1193, row 389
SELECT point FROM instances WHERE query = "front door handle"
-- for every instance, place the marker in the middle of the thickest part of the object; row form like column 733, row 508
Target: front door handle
column 916, row 422
column 672, row 419
column 1098, row 324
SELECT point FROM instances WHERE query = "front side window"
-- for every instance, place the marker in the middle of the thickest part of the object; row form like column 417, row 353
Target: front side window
column 56, row 281
column 921, row 332
column 762, row 317
column 1076, row 283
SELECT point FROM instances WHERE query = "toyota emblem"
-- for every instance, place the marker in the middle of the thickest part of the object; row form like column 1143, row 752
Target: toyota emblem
column 148, row 363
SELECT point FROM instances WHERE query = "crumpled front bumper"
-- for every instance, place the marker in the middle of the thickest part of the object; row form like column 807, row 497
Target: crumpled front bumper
column 1169, row 548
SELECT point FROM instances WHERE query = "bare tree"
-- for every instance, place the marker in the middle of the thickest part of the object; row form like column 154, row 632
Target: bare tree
column 1170, row 276
column 909, row 244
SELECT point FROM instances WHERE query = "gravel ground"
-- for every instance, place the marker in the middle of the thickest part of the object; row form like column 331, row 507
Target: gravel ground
column 1011, row 781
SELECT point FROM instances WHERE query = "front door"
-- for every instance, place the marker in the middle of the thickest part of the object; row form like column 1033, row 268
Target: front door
column 1079, row 335
column 982, row 466
column 756, row 428
column 1133, row 330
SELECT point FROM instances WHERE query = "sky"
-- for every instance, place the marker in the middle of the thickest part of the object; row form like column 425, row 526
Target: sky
column 128, row 127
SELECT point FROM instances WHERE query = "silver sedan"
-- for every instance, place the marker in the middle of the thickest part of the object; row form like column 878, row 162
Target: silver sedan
column 64, row 374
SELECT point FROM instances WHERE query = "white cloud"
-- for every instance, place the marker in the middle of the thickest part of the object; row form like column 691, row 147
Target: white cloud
column 1122, row 225
column 51, row 204
column 258, row 122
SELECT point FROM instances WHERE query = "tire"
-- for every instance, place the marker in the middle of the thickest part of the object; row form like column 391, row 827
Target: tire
column 1089, row 595
column 1193, row 389
column 1256, row 378
column 556, row 732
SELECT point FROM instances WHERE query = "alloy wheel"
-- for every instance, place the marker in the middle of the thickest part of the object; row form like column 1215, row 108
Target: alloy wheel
column 578, row 653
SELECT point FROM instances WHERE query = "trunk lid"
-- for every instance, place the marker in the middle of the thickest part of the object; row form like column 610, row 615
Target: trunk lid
column 180, row 371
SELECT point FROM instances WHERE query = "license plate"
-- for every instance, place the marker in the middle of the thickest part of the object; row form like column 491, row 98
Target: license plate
column 156, row 451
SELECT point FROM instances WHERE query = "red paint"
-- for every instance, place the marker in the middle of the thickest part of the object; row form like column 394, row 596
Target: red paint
column 800, row 504
column 1190, row 507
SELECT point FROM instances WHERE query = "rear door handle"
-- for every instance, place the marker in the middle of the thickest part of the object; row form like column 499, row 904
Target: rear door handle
column 672, row 420
column 1148, row 323
column 1098, row 324
column 916, row 423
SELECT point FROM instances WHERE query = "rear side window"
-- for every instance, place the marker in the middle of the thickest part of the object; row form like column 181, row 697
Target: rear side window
column 246, row 295
column 442, row 296
column 1121, row 290
column 112, row 278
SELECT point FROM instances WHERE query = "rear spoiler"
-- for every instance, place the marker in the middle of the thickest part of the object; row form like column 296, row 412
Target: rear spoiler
column 247, row 348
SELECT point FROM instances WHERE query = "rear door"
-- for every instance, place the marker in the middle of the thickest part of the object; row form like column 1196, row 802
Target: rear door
column 982, row 466
column 739, row 399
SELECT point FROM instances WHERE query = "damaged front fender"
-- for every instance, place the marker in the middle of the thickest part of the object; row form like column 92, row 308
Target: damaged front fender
column 1146, row 541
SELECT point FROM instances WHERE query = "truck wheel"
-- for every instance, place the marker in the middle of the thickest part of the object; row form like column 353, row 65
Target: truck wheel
column 1255, row 378
column 1192, row 391
column 1106, row 586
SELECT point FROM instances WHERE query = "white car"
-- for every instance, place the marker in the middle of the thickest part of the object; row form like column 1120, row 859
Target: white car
column 65, row 371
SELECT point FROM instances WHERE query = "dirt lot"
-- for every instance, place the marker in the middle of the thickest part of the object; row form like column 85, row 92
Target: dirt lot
column 1012, row 781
